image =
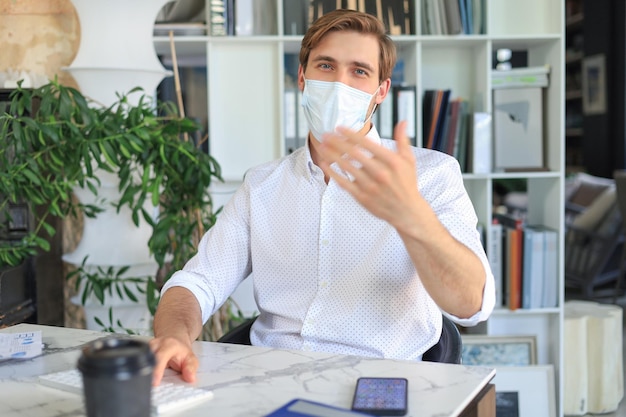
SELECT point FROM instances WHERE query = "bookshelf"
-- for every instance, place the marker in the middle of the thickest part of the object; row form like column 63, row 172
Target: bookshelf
column 246, row 85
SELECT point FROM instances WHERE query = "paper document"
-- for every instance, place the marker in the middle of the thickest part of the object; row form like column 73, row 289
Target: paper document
column 20, row 345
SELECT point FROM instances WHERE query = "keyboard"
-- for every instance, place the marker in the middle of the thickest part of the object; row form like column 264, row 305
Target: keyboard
column 166, row 397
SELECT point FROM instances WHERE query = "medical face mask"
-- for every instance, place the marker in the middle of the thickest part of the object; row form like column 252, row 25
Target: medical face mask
column 328, row 105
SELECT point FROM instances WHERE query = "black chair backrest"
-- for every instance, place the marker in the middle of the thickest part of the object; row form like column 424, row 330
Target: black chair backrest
column 449, row 347
column 447, row 350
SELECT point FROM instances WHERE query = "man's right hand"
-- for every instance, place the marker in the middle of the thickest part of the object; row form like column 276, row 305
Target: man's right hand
column 172, row 353
column 177, row 323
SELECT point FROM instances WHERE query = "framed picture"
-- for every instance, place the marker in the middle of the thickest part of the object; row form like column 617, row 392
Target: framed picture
column 499, row 350
column 525, row 391
column 594, row 84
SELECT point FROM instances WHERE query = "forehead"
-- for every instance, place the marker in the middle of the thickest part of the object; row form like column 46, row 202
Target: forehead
column 348, row 46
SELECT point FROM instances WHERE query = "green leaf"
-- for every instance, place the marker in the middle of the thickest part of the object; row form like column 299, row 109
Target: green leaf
column 130, row 294
column 32, row 176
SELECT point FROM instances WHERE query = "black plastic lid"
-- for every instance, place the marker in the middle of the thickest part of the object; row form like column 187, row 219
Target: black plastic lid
column 119, row 357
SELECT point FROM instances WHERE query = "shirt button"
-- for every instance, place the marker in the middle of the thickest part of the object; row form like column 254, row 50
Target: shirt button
column 325, row 242
column 324, row 284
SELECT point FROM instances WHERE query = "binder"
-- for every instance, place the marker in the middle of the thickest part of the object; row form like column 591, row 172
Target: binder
column 550, row 293
column 481, row 144
column 533, row 267
column 384, row 120
column 404, row 108
column 244, row 18
column 494, row 255
column 302, row 126
column 453, row 17
column 290, row 109
column 295, row 17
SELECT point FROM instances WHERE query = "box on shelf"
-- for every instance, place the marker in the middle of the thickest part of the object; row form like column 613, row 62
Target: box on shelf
column 518, row 129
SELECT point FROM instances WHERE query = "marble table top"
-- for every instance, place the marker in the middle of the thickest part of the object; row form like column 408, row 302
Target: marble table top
column 246, row 380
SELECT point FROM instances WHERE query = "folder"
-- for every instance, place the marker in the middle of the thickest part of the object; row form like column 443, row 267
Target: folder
column 404, row 108
column 290, row 126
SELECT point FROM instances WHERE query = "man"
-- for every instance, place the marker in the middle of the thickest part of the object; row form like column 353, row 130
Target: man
column 356, row 243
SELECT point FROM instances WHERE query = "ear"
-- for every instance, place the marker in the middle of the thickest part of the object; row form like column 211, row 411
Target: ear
column 300, row 78
column 383, row 90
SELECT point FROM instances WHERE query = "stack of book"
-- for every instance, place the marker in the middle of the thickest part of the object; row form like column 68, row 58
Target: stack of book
column 450, row 127
column 524, row 262
column 397, row 15
column 453, row 17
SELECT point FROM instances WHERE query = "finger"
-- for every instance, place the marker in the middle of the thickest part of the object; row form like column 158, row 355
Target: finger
column 403, row 142
column 190, row 369
column 374, row 149
column 160, row 363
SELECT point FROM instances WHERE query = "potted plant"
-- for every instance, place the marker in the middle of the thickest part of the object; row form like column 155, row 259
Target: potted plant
column 65, row 141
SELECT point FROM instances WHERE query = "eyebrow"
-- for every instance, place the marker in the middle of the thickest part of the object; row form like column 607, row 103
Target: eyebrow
column 333, row 60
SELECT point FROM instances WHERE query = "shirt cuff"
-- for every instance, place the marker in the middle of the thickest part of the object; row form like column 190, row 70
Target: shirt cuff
column 489, row 301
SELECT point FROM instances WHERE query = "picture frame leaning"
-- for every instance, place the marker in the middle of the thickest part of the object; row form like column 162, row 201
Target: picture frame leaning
column 499, row 350
column 525, row 391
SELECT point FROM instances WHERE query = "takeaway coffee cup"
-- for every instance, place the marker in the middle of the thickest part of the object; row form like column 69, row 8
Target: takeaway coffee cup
column 117, row 377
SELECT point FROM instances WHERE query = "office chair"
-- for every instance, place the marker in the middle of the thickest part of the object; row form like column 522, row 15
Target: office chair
column 446, row 350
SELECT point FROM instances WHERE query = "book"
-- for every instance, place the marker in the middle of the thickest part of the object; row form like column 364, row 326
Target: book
column 454, row 127
column 264, row 17
column 430, row 28
column 469, row 11
column 478, row 24
column 441, row 113
column 512, row 255
column 295, row 16
column 442, row 17
column 494, row 255
column 453, row 17
column 533, row 267
column 550, row 292
column 461, row 150
column 514, row 239
column 219, row 18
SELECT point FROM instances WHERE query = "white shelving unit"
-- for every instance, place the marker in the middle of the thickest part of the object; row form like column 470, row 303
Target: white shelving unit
column 246, row 85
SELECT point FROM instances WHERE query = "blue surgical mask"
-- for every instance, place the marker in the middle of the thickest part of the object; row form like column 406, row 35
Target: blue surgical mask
column 328, row 105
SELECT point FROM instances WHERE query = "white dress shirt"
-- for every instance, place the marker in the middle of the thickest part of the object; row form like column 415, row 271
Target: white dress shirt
column 328, row 275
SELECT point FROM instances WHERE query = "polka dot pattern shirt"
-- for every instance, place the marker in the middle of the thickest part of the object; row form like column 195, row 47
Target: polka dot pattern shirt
column 328, row 275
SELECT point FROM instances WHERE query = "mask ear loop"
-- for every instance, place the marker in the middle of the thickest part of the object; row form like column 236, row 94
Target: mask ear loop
column 373, row 108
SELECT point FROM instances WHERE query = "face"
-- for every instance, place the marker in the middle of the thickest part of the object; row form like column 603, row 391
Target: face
column 350, row 58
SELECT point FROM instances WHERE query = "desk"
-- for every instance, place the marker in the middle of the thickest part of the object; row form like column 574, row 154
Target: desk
column 250, row 380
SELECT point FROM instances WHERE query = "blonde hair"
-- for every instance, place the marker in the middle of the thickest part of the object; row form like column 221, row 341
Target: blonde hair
column 351, row 20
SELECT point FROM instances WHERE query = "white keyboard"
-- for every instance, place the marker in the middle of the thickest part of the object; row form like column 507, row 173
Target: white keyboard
column 166, row 397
